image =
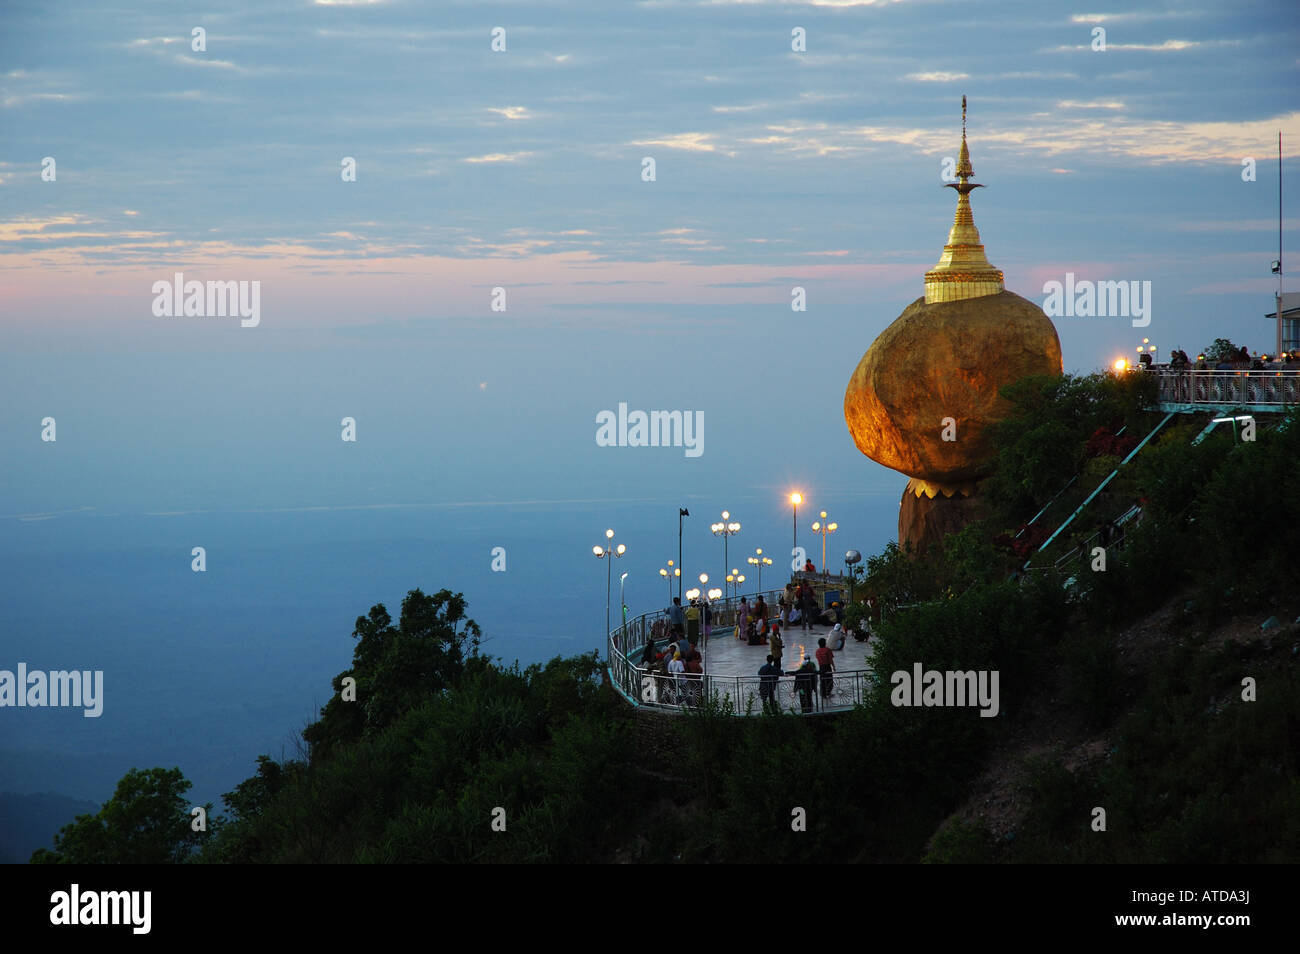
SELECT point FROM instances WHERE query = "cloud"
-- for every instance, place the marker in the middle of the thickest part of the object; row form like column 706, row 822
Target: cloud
column 691, row 142
column 511, row 112
column 939, row 77
column 498, row 157
column 806, row 3
column 1134, row 16
column 1167, row 46
column 1095, row 104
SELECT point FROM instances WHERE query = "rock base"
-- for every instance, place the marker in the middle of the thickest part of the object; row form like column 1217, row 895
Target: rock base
column 928, row 513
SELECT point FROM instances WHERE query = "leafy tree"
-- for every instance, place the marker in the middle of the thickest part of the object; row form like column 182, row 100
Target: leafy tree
column 397, row 667
column 1221, row 350
column 147, row 821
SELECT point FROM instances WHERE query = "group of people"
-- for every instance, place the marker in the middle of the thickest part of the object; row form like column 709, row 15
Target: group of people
column 681, row 660
column 797, row 606
column 695, row 620
column 1234, row 360
column 807, row 674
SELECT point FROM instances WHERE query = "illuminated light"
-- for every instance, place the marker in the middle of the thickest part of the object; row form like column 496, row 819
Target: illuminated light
column 796, row 499
column 1121, row 364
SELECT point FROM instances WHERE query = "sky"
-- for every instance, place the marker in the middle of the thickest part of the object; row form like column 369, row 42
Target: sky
column 521, row 169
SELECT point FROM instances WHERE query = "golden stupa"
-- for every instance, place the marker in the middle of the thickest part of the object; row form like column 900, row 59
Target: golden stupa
column 924, row 395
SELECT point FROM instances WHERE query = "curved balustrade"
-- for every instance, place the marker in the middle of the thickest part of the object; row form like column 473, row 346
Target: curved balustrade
column 642, row 687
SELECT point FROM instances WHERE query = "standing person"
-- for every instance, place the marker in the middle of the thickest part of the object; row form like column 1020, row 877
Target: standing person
column 708, row 622
column 826, row 660
column 675, row 616
column 693, row 620
column 787, row 598
column 694, row 664
column 805, row 678
column 768, row 674
column 677, row 670
column 775, row 644
column 742, row 614
column 760, row 613
column 808, row 606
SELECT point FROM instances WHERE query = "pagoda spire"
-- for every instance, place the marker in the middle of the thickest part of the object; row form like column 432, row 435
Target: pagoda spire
column 963, row 270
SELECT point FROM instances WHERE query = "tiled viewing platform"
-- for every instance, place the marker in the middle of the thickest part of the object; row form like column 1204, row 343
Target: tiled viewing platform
column 725, row 655
column 730, row 674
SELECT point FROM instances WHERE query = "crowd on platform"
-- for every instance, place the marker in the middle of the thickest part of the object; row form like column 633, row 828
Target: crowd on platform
column 1239, row 360
column 679, row 664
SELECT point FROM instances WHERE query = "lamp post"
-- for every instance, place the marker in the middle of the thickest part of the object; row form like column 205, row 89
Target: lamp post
column 824, row 528
column 795, row 500
column 670, row 573
column 726, row 529
column 610, row 553
column 681, row 512
column 760, row 561
column 852, row 558
column 623, row 603
column 713, row 595
column 697, row 593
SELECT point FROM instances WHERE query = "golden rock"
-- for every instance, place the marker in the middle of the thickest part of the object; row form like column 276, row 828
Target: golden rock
column 926, row 392
column 940, row 361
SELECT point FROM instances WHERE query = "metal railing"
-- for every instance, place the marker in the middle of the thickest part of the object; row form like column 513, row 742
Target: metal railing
column 1228, row 388
column 807, row 693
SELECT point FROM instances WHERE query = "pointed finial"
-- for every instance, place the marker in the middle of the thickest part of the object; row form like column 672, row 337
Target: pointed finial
column 963, row 270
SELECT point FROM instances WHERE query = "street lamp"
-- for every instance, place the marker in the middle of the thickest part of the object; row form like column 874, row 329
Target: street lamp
column 672, row 571
column 795, row 500
column 611, row 553
column 824, row 528
column 623, row 603
column 726, row 528
column 852, row 558
column 681, row 512
column 760, row 561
